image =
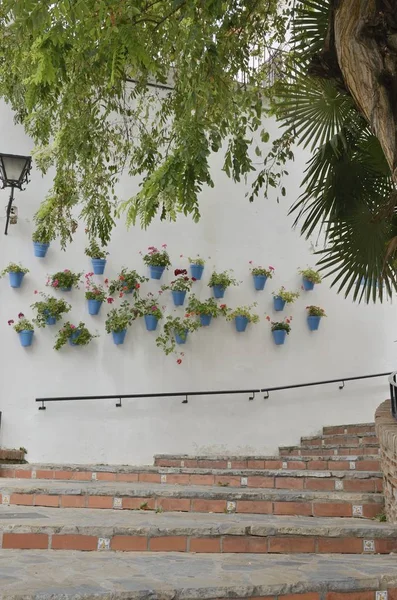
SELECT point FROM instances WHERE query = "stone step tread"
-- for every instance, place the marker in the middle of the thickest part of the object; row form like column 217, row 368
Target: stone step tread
column 232, row 458
column 372, row 424
column 22, row 519
column 326, row 446
column 143, row 490
column 142, row 576
column 341, row 436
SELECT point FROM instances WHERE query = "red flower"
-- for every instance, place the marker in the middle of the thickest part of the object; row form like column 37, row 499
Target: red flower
column 122, row 278
column 268, row 318
column 137, row 286
column 223, row 306
column 121, row 295
column 10, row 322
column 287, row 320
column 106, row 281
column 194, row 279
column 179, row 361
column 35, row 292
column 20, row 316
column 110, row 300
column 250, row 262
column 125, row 288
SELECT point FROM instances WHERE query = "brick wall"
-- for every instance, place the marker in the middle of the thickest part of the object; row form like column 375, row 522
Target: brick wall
column 386, row 430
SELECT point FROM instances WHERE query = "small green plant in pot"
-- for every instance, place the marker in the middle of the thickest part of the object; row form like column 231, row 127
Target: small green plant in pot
column 42, row 237
column 196, row 267
column 314, row 316
column 49, row 310
column 175, row 331
column 24, row 328
column 219, row 282
column 282, row 297
column 157, row 260
column 118, row 320
column 242, row 316
column 64, row 280
column 94, row 294
column 150, row 309
column 280, row 329
column 260, row 275
column 310, row 277
column 16, row 273
column 98, row 257
column 179, row 286
column 206, row 310
column 127, row 282
column 76, row 335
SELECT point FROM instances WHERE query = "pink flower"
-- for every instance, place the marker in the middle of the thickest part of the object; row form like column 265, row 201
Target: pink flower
column 110, row 300
column 72, row 327
column 272, row 268
column 55, row 283
column 10, row 322
column 106, row 281
column 154, row 307
column 179, row 361
column 181, row 256
column 35, row 292
column 163, row 245
column 66, row 270
column 121, row 295
column 267, row 318
column 250, row 262
column 20, row 316
column 138, row 285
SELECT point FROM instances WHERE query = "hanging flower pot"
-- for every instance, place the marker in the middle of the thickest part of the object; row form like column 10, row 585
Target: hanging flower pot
column 40, row 249
column 241, row 323
column 156, row 272
column 16, row 278
column 66, row 289
column 313, row 323
column 314, row 316
column 218, row 291
column 151, row 322
column 307, row 284
column 181, row 339
column 49, row 310
column 73, row 337
column 179, row 297
column 50, row 320
column 196, row 270
column 94, row 306
column 309, row 278
column 157, row 260
column 259, row 282
column 219, row 282
column 205, row 320
column 64, row 280
column 279, row 336
column 242, row 315
column 98, row 265
column 279, row 303
column 26, row 337
column 119, row 337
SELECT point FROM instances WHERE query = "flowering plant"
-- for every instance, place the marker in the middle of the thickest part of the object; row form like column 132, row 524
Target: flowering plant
column 311, row 275
column 92, row 290
column 43, row 234
column 94, row 251
column 64, row 279
column 49, row 307
column 82, row 338
column 288, row 297
column 244, row 311
column 23, row 324
column 149, row 306
column 224, row 279
column 262, row 271
column 126, row 281
column 284, row 325
column 176, row 326
column 197, row 261
column 13, row 268
column 182, row 283
column 315, row 311
column 205, row 307
column 156, row 257
column 120, row 318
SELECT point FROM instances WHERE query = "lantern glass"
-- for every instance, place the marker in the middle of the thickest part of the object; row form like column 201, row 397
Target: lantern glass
column 14, row 170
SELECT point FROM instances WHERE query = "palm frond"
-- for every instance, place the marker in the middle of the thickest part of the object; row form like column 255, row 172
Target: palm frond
column 310, row 27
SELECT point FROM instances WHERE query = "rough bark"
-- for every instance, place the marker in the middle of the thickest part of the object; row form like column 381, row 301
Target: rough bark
column 365, row 34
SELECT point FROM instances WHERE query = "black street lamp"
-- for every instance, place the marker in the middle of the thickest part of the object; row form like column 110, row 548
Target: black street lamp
column 14, row 173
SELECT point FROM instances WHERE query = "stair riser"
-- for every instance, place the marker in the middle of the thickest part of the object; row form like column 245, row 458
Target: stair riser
column 339, row 508
column 349, row 429
column 327, row 452
column 287, row 463
column 347, row 440
column 37, row 540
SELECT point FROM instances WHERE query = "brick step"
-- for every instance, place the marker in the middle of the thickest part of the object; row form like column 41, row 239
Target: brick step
column 349, row 481
column 71, row 575
column 342, row 439
column 133, row 496
column 312, row 463
column 329, row 450
column 352, row 428
column 12, row 456
column 32, row 528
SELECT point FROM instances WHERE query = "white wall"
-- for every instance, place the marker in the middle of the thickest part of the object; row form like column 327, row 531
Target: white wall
column 353, row 340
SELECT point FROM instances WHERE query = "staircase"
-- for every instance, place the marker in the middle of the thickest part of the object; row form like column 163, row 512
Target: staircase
column 304, row 525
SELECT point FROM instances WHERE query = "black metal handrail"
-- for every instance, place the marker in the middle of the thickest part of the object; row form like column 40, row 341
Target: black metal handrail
column 393, row 393
column 185, row 395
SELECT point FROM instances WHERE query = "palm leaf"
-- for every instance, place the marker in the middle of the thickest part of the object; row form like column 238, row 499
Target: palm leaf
column 310, row 27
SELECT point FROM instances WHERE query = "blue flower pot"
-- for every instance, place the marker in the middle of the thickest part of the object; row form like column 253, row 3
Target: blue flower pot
column 129, row 291
column 156, row 272
column 241, row 323
column 40, row 250
column 16, row 279
column 218, row 291
column 94, row 306
column 205, row 320
column 279, row 303
column 279, row 336
column 196, row 270
column 313, row 322
column 51, row 320
column 308, row 285
column 73, row 337
column 26, row 337
column 179, row 339
column 119, row 337
column 66, row 289
column 151, row 322
column 259, row 282
column 178, row 297
column 98, row 265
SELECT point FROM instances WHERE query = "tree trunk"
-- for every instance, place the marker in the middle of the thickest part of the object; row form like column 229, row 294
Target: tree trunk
column 365, row 39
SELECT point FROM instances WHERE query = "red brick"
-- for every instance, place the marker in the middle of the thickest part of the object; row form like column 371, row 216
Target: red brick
column 386, row 546
column 105, row 476
column 227, row 479
column 73, row 501
column 258, row 507
column 392, row 594
column 149, row 477
column 22, row 499
column 361, row 429
column 172, row 543
column 211, row 464
column 296, row 465
column 379, row 485
column 259, row 464
column 272, row 464
column 129, row 543
column 334, row 429
column 239, row 464
column 370, row 511
column 289, row 483
column 100, row 502
column 190, row 463
column 202, row 479
column 291, row 545
column 293, row 508
column 130, row 477
column 206, row 545
column 369, row 440
column 350, row 596
column 81, row 476
column 136, row 503
column 359, row 485
column 178, row 478
column 23, row 474
column 46, row 500
column 248, row 544
column 215, row 506
column 174, row 504
column 317, row 465
column 74, row 542
column 368, row 465
column 309, row 596
column 332, row 509
column 320, row 484
column 339, row 465
column 165, row 462
column 340, row 545
column 44, row 474
column 63, row 475
column 25, row 541
column 261, row 482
